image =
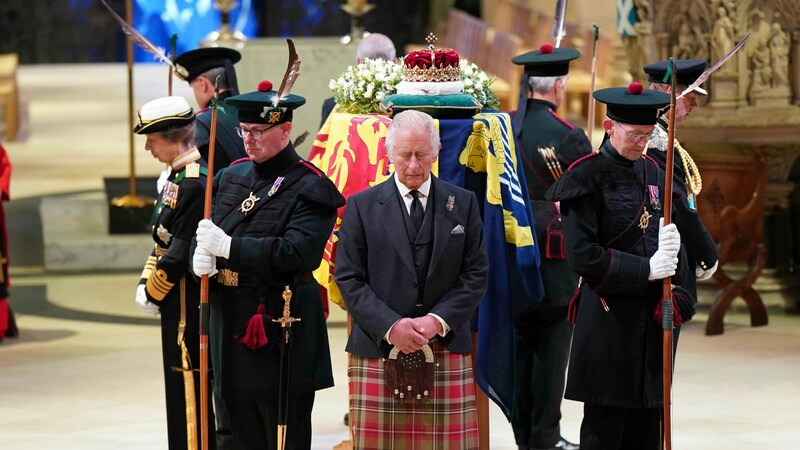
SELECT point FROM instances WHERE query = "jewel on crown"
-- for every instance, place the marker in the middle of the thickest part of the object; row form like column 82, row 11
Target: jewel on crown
column 431, row 64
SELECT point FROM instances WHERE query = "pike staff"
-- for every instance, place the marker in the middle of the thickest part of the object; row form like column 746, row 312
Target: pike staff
column 592, row 104
column 667, row 307
column 204, row 308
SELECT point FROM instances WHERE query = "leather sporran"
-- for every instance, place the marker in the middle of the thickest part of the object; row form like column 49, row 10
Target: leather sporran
column 410, row 376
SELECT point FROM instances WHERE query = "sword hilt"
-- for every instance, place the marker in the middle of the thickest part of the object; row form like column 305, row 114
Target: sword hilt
column 286, row 320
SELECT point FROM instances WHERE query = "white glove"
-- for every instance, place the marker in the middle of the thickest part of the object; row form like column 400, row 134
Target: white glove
column 162, row 179
column 203, row 263
column 141, row 300
column 705, row 274
column 664, row 261
column 212, row 239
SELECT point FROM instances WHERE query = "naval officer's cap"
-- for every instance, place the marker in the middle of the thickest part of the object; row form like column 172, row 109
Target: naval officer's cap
column 163, row 114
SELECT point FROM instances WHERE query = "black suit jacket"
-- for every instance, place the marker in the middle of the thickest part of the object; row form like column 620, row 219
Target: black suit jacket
column 375, row 265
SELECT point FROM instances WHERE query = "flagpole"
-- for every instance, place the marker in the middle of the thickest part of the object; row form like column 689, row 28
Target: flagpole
column 592, row 104
column 131, row 200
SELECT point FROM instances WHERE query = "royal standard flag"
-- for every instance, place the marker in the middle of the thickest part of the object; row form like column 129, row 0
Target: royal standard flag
column 487, row 162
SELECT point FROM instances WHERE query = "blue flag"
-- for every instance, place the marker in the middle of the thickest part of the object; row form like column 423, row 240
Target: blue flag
column 488, row 164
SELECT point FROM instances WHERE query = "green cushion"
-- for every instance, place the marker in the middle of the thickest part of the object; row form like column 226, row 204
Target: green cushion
column 452, row 106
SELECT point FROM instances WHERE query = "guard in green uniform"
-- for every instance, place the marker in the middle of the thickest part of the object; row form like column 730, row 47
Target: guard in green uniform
column 272, row 216
column 550, row 145
column 702, row 251
column 611, row 206
column 200, row 69
column 166, row 285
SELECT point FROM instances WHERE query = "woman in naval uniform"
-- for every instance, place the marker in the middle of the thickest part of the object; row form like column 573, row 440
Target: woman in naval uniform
column 166, row 286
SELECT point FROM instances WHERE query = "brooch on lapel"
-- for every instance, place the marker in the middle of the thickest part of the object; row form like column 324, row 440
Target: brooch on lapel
column 163, row 234
column 451, row 202
column 249, row 203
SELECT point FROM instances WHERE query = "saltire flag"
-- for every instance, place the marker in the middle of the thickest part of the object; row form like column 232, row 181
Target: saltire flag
column 626, row 18
column 479, row 154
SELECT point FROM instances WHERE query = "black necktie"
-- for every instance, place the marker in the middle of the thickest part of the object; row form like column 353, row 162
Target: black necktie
column 416, row 210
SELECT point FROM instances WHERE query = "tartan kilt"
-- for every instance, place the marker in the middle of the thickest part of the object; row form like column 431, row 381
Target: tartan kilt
column 447, row 421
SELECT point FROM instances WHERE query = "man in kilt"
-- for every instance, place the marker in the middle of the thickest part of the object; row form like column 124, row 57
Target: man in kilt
column 412, row 267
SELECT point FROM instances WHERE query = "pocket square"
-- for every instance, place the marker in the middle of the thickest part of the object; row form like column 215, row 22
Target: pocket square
column 458, row 229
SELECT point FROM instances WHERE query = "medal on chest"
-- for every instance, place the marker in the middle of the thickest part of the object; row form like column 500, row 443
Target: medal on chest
column 249, row 203
column 655, row 201
column 169, row 195
column 275, row 186
column 644, row 220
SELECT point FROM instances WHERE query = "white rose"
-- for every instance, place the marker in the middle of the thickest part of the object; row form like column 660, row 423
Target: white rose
column 379, row 96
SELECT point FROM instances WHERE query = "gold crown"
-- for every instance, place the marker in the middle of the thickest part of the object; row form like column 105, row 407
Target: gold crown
column 430, row 74
column 431, row 64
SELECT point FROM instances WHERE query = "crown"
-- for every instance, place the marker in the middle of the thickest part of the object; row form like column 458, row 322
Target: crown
column 431, row 64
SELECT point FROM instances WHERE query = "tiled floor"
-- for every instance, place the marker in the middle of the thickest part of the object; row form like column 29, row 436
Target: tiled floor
column 86, row 374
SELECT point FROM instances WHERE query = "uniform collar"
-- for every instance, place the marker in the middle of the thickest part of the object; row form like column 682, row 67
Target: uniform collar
column 185, row 158
column 539, row 103
column 611, row 153
column 278, row 163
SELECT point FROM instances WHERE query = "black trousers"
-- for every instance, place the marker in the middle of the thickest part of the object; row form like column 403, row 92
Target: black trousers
column 255, row 423
column 611, row 428
column 542, row 352
column 174, row 380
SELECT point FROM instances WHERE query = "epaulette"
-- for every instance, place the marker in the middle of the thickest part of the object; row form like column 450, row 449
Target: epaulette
column 312, row 168
column 582, row 159
column 240, row 160
column 183, row 174
column 560, row 119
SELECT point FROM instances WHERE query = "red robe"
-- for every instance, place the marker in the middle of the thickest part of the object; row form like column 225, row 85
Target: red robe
column 6, row 316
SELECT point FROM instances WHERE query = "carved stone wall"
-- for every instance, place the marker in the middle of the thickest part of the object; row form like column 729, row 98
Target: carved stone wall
column 753, row 102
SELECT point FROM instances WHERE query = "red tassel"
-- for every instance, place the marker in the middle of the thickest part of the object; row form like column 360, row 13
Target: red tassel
column 677, row 318
column 255, row 336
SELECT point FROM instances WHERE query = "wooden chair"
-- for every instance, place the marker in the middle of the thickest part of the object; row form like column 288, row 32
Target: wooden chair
column 513, row 17
column 504, row 46
column 467, row 35
column 732, row 208
column 9, row 93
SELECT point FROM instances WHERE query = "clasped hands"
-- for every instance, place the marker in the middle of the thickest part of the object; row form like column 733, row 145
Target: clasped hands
column 410, row 335
column 211, row 242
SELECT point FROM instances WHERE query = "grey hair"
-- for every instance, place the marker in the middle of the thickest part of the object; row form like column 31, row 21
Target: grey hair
column 376, row 46
column 411, row 120
column 183, row 135
column 543, row 85
column 211, row 75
